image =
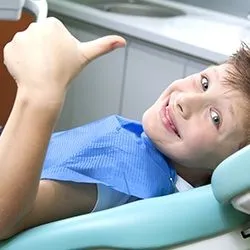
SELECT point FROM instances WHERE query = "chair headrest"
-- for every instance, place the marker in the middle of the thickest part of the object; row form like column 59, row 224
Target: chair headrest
column 232, row 176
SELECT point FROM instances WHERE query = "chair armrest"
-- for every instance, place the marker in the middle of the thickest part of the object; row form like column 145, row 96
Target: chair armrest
column 151, row 223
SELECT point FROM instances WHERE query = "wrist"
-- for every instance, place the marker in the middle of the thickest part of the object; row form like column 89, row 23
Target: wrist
column 50, row 99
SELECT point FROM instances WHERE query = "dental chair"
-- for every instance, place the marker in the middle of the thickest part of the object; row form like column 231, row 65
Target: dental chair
column 215, row 216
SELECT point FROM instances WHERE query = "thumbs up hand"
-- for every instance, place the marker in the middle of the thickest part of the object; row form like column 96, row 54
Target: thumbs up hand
column 45, row 57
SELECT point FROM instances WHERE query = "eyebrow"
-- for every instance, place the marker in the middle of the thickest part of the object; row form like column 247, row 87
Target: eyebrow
column 231, row 110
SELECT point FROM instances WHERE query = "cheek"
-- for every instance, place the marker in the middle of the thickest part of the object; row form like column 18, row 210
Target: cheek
column 196, row 156
column 148, row 120
column 199, row 146
column 201, row 140
column 152, row 124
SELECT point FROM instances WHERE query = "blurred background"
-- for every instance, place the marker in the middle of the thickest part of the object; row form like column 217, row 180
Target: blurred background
column 240, row 8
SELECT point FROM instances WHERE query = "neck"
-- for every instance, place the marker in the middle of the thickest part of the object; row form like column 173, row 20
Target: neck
column 195, row 176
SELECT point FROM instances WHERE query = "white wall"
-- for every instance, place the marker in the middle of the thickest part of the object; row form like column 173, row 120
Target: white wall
column 239, row 8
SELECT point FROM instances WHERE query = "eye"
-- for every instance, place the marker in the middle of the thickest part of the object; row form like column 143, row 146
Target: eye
column 204, row 83
column 215, row 118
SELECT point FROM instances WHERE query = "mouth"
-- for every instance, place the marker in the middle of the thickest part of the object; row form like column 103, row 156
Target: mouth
column 166, row 116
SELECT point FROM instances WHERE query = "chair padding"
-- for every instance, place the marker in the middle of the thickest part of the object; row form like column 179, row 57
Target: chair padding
column 232, row 176
column 151, row 223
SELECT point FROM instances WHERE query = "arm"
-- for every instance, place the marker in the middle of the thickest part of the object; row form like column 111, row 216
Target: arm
column 43, row 59
column 22, row 148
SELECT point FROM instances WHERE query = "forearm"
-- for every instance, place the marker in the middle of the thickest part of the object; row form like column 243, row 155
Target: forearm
column 23, row 145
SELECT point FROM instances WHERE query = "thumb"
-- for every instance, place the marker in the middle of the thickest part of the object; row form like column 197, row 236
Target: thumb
column 93, row 49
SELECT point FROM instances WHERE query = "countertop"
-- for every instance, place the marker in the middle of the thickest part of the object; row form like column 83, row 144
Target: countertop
column 204, row 34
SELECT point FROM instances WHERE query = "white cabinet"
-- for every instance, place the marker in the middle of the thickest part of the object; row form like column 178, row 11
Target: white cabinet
column 149, row 71
column 65, row 118
column 96, row 91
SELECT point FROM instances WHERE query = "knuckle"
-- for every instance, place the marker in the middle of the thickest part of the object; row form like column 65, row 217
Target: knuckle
column 32, row 26
column 55, row 25
column 17, row 37
column 54, row 21
column 6, row 48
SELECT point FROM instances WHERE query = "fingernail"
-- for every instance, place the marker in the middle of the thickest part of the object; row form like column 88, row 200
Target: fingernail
column 116, row 45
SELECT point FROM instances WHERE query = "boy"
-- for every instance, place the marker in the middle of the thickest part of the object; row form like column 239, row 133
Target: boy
column 191, row 128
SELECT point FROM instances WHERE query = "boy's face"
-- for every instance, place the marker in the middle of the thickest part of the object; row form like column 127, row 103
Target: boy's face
column 197, row 121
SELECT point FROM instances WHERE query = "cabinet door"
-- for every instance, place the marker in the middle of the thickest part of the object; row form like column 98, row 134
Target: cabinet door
column 7, row 84
column 65, row 120
column 149, row 71
column 96, row 91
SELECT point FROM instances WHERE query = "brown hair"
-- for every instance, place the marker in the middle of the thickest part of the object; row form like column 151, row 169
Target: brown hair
column 238, row 76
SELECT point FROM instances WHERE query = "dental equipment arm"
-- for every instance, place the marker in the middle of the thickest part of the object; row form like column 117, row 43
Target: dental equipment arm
column 12, row 9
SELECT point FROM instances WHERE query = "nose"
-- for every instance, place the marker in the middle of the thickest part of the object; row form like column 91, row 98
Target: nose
column 188, row 104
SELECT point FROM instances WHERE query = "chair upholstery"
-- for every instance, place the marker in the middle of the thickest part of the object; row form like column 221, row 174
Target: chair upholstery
column 232, row 177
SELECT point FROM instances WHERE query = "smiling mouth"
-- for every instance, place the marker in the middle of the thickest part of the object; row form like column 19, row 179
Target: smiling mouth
column 167, row 121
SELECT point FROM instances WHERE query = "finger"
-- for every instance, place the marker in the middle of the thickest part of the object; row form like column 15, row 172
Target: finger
column 93, row 49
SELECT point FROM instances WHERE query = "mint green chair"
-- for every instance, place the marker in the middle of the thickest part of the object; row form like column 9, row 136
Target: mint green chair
column 176, row 221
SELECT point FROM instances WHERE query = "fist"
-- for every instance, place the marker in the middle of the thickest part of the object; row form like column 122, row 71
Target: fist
column 45, row 57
